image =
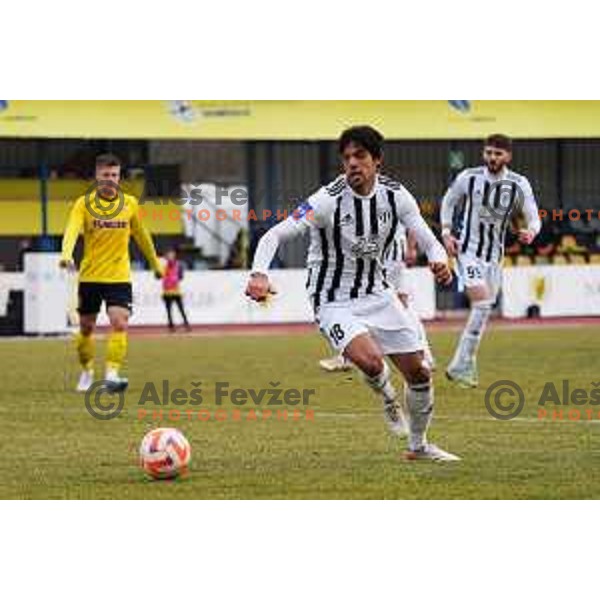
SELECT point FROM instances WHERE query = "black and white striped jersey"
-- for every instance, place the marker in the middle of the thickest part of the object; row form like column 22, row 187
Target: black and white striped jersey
column 397, row 249
column 350, row 238
column 394, row 259
column 489, row 203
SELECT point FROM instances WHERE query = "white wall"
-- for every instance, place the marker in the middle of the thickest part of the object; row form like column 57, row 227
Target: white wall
column 210, row 297
column 558, row 290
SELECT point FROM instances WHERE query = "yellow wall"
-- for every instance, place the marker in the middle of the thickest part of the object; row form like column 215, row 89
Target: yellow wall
column 297, row 119
column 20, row 207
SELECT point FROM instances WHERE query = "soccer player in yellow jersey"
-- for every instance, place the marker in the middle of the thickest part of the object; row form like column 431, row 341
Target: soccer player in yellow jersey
column 107, row 218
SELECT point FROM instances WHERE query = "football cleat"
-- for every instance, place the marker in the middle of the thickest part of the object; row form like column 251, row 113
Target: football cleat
column 335, row 363
column 465, row 377
column 431, row 452
column 86, row 379
column 114, row 383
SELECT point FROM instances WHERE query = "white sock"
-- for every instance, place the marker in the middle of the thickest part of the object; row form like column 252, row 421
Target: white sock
column 111, row 374
column 427, row 354
column 419, row 399
column 382, row 385
column 473, row 332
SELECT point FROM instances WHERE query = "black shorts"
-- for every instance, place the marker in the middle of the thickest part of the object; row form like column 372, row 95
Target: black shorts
column 91, row 296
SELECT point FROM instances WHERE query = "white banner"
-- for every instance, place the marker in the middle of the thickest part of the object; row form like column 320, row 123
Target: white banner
column 210, row 297
column 559, row 291
column 420, row 286
column 46, row 294
column 215, row 297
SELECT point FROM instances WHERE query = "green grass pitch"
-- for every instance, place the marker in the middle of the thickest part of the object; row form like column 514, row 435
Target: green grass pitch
column 54, row 449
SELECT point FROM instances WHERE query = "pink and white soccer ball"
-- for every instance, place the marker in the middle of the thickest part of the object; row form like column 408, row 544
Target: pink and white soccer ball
column 165, row 453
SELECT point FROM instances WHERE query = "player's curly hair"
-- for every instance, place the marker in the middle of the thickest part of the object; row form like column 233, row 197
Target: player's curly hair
column 365, row 136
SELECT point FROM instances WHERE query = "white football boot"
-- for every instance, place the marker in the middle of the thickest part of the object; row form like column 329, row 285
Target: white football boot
column 335, row 363
column 431, row 452
column 86, row 379
column 465, row 375
column 114, row 382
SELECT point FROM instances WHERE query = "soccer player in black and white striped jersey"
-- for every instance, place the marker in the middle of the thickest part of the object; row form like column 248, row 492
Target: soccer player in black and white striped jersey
column 402, row 253
column 494, row 196
column 352, row 223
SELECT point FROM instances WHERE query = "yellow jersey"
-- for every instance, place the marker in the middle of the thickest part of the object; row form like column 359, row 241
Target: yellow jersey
column 107, row 226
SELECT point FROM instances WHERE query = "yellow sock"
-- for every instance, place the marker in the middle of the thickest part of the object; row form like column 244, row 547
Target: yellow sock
column 116, row 350
column 86, row 350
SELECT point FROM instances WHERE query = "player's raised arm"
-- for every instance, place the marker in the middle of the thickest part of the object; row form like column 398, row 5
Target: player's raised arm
column 531, row 214
column 72, row 231
column 303, row 217
column 410, row 217
column 143, row 239
column 450, row 202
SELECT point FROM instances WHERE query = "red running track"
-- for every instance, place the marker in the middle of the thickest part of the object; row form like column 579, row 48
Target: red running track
column 452, row 324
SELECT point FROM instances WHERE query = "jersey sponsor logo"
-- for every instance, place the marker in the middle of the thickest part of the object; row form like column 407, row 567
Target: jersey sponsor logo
column 366, row 248
column 98, row 224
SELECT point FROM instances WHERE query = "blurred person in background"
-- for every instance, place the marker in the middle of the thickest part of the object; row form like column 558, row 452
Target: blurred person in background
column 494, row 196
column 107, row 218
column 173, row 274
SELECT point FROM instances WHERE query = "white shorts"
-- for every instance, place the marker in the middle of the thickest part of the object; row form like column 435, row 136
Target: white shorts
column 394, row 328
column 475, row 272
column 401, row 284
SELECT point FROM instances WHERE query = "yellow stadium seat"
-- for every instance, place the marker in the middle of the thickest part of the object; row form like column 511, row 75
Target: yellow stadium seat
column 507, row 262
column 523, row 261
column 577, row 259
column 559, row 259
column 567, row 242
column 595, row 259
column 569, row 245
column 541, row 260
